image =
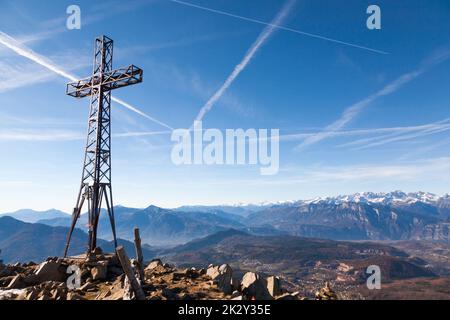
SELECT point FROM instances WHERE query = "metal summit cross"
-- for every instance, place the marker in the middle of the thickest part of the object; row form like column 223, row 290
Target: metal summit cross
column 96, row 178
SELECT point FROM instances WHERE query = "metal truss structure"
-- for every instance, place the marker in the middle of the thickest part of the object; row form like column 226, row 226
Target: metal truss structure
column 96, row 177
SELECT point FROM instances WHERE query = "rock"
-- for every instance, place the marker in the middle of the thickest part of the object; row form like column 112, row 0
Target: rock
column 31, row 280
column 115, row 270
column 273, row 286
column 157, row 267
column 222, row 277
column 32, row 294
column 153, row 264
column 50, row 271
column 168, row 294
column 236, row 284
column 87, row 286
column 97, row 251
column 103, row 295
column 212, row 271
column 99, row 272
column 10, row 294
column 254, row 287
column 236, row 294
column 192, row 273
column 116, row 295
column 58, row 294
column 17, row 283
column 74, row 296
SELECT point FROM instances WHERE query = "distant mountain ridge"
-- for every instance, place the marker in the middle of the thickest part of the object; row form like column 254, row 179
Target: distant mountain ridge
column 366, row 197
column 387, row 198
column 361, row 216
column 23, row 242
column 32, row 216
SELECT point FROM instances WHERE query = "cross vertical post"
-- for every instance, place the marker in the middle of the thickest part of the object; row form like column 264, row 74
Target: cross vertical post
column 95, row 185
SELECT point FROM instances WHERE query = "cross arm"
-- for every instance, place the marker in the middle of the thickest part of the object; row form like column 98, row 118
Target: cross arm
column 115, row 79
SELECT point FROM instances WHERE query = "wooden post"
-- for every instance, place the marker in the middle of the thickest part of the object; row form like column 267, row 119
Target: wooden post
column 139, row 256
column 126, row 265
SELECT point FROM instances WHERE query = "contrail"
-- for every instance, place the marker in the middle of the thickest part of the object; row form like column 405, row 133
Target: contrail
column 130, row 107
column 276, row 25
column 26, row 52
column 351, row 112
column 262, row 38
column 20, row 49
column 399, row 135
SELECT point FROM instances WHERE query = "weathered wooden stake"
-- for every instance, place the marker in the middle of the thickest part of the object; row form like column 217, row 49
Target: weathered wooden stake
column 126, row 265
column 139, row 256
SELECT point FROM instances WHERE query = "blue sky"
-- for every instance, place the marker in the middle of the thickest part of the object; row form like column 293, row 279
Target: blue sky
column 350, row 119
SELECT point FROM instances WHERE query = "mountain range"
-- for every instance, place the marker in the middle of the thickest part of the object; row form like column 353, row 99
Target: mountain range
column 362, row 216
column 23, row 242
column 306, row 242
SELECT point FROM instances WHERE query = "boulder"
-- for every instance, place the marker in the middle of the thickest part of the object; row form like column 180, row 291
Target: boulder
column 212, row 271
column 17, row 283
column 273, row 286
column 236, row 284
column 254, row 287
column 32, row 294
column 222, row 277
column 97, row 251
column 115, row 270
column 10, row 294
column 50, row 271
column 154, row 264
column 74, row 296
column 103, row 294
column 99, row 272
column 168, row 294
column 87, row 286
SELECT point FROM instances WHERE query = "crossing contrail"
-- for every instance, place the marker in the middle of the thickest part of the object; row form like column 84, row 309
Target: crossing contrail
column 262, row 38
column 352, row 111
column 26, row 52
column 278, row 26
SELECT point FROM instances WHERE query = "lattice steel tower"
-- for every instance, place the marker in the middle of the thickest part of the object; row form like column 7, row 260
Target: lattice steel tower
column 96, row 177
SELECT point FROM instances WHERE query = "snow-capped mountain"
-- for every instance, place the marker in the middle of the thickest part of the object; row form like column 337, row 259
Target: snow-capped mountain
column 376, row 216
column 361, row 216
column 387, row 198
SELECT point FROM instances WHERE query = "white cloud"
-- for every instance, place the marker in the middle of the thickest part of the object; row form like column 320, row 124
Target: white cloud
column 36, row 135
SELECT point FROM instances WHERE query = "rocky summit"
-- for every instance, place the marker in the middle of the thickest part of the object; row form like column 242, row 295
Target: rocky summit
column 102, row 277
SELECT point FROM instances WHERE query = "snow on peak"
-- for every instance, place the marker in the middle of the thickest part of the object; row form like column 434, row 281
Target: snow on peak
column 396, row 197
